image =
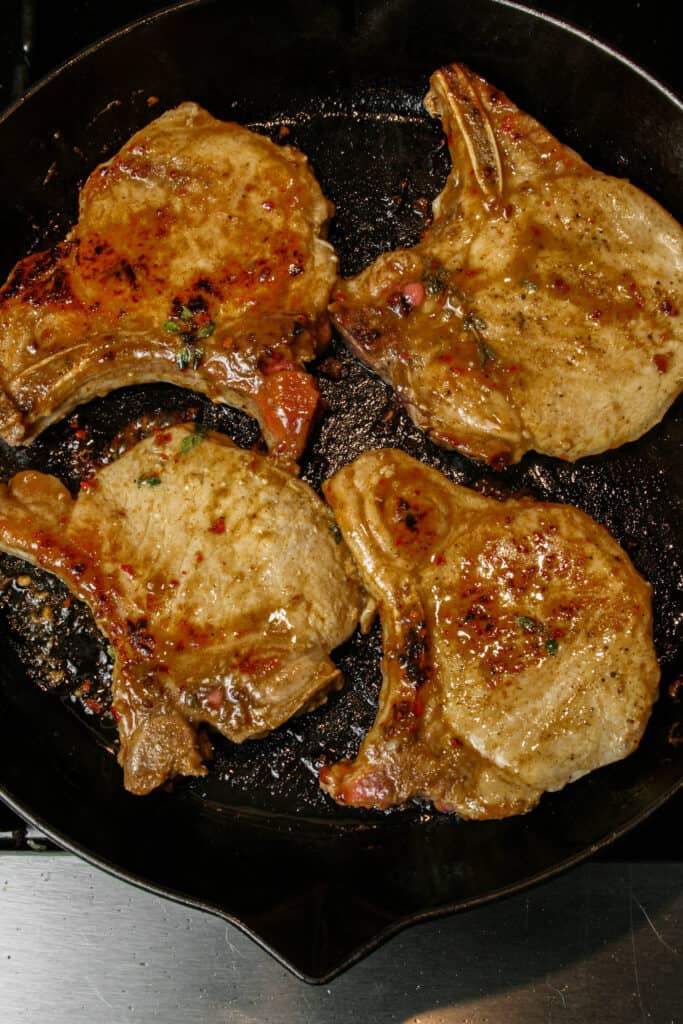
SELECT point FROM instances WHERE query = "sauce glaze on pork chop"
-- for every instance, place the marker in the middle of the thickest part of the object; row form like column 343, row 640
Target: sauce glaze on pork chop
column 517, row 636
column 197, row 259
column 540, row 310
column 218, row 578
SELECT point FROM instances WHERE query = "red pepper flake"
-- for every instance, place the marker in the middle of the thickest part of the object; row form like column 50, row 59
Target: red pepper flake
column 275, row 363
column 66, row 603
column 162, row 437
column 128, row 569
column 455, row 742
column 639, row 300
column 88, row 485
column 283, row 131
column 508, row 211
column 500, row 461
column 267, row 204
column 258, row 666
column 661, row 361
column 446, row 357
column 199, row 557
column 339, row 297
column 509, row 125
column 218, row 526
column 667, row 308
column 115, row 714
column 439, row 560
column 512, row 369
column 93, row 705
column 86, row 685
column 414, row 293
column 560, row 285
column 81, row 434
column 215, row 698
column 595, row 315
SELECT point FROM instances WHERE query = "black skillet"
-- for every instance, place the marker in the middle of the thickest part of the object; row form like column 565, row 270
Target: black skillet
column 316, row 885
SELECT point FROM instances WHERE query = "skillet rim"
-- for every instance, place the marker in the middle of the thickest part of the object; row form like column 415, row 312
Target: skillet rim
column 416, row 917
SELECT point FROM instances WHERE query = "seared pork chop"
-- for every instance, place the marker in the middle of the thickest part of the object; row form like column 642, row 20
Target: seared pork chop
column 517, row 639
column 218, row 578
column 197, row 259
column 541, row 309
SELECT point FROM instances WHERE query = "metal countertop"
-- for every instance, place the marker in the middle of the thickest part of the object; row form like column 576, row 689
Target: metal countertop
column 603, row 943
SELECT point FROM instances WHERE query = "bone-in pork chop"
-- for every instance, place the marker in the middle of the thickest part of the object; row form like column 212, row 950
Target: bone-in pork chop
column 218, row 578
column 517, row 639
column 540, row 310
column 197, row 259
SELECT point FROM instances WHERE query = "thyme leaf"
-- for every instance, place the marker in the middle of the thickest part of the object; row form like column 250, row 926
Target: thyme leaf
column 207, row 330
column 191, row 441
column 189, row 355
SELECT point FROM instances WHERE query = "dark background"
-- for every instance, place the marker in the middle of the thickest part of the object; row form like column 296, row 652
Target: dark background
column 38, row 35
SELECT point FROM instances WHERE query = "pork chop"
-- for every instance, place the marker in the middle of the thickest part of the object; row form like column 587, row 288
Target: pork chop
column 217, row 577
column 197, row 259
column 540, row 310
column 517, row 635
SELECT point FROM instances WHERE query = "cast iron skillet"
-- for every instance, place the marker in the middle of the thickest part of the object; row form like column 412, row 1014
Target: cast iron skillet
column 316, row 885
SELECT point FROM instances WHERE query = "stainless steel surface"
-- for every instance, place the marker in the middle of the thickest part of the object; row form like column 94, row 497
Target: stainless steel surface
column 601, row 944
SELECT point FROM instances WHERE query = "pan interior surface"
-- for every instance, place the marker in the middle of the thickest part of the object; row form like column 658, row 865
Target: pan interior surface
column 256, row 839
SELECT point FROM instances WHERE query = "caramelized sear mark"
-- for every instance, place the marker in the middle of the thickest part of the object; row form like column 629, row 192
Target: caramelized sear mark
column 195, row 589
column 199, row 250
column 529, row 316
column 517, row 643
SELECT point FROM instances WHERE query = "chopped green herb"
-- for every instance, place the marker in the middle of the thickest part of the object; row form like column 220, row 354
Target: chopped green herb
column 185, row 313
column 475, row 323
column 111, row 652
column 485, row 353
column 189, row 355
column 528, row 625
column 528, row 286
column 191, row 441
column 436, row 279
column 148, row 481
column 171, row 327
column 336, row 533
column 207, row 330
